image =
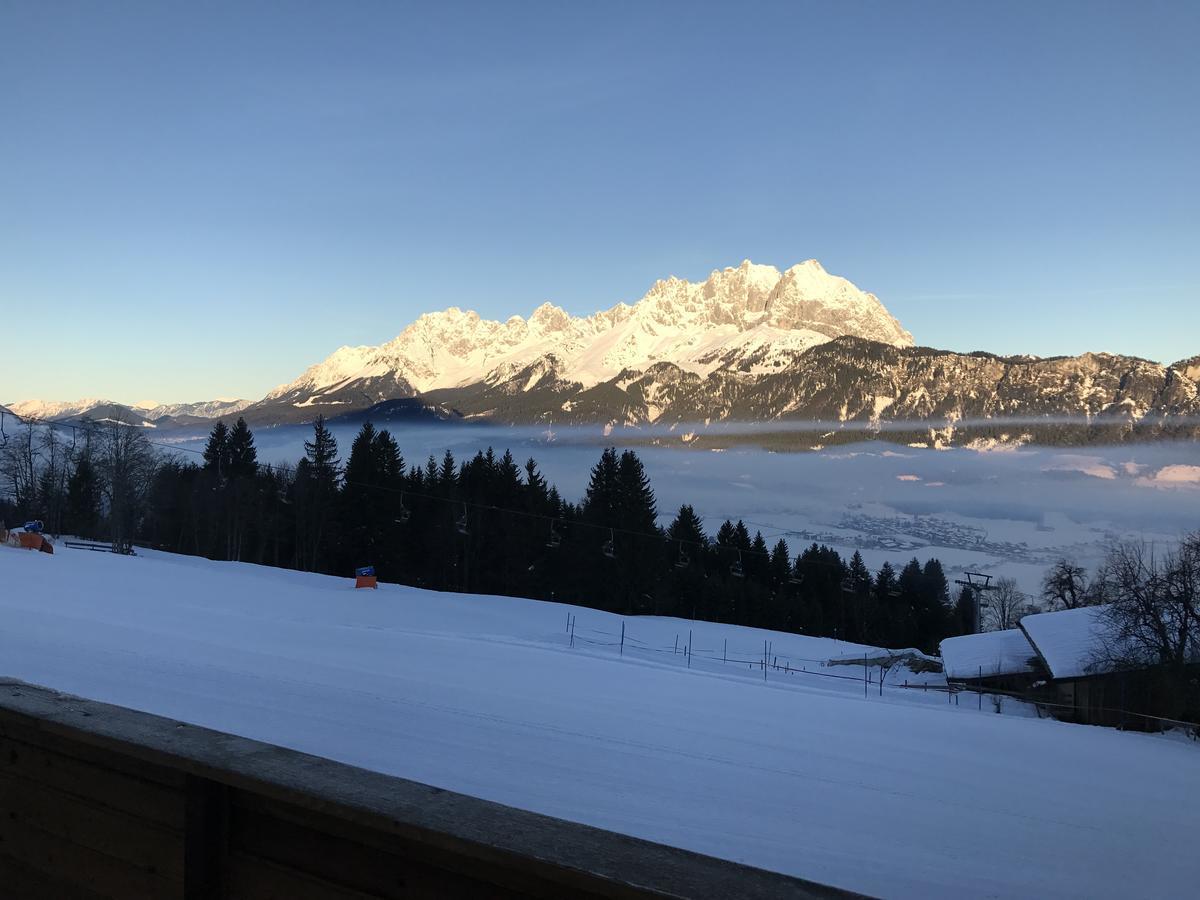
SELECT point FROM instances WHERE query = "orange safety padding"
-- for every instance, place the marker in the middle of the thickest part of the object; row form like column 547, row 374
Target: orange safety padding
column 365, row 581
column 46, row 547
column 31, row 541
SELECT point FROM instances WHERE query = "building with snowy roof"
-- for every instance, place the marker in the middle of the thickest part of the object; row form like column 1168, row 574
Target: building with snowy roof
column 1069, row 660
column 1079, row 649
column 1071, row 643
column 997, row 659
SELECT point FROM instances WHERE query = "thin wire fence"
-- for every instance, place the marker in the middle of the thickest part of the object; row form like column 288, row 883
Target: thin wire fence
column 767, row 661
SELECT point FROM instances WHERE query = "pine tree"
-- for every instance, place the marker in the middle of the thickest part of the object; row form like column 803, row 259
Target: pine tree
column 317, row 488
column 688, row 529
column 83, row 499
column 741, row 536
column 369, row 533
column 637, row 510
column 361, row 467
column 780, row 565
column 600, row 500
column 903, row 612
column 322, row 454
column 241, row 455
column 447, row 475
column 862, row 624
column 726, row 534
column 933, row 614
column 239, row 489
column 216, row 451
column 391, row 461
column 885, row 594
column 965, row 616
column 758, row 558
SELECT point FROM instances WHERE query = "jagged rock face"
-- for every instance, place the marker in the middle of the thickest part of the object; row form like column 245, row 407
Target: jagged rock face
column 1189, row 368
column 850, row 380
column 804, row 298
column 699, row 327
column 855, row 380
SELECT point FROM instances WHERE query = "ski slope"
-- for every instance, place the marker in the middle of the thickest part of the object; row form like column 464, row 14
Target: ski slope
column 898, row 795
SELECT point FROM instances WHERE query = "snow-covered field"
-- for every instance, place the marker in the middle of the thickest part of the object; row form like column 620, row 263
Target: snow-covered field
column 1007, row 511
column 900, row 795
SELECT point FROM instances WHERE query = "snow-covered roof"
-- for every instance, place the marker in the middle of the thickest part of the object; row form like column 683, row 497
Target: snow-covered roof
column 1071, row 641
column 880, row 656
column 991, row 653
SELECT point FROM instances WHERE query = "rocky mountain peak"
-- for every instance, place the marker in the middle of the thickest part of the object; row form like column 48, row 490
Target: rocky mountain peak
column 739, row 312
column 549, row 317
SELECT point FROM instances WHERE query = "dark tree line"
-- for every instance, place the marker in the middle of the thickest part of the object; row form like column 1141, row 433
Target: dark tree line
column 487, row 524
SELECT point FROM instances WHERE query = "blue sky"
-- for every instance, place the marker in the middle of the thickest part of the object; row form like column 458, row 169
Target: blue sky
column 202, row 199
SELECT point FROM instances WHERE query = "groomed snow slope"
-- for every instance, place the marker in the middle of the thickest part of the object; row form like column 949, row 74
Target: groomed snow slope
column 901, row 796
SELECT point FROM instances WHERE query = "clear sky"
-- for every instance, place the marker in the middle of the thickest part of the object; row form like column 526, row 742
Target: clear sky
column 201, row 199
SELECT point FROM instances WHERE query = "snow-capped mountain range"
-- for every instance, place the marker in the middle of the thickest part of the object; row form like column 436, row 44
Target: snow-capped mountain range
column 147, row 411
column 735, row 313
column 749, row 343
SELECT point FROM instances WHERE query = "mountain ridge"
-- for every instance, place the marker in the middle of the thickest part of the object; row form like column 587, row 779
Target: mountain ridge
column 749, row 343
column 687, row 323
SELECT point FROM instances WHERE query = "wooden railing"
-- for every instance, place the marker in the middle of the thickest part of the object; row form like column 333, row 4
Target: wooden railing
column 104, row 801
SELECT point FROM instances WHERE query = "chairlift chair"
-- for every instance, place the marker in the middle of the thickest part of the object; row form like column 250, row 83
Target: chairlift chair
column 555, row 539
column 736, row 569
column 608, row 549
column 460, row 525
column 682, row 561
column 402, row 513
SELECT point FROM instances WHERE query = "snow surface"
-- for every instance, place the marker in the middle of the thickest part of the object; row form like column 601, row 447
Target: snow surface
column 899, row 795
column 990, row 653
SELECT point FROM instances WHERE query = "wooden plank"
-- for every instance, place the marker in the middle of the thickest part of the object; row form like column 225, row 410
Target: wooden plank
column 428, row 870
column 141, row 843
column 327, row 853
column 251, row 878
column 206, row 839
column 64, row 745
column 20, row 882
column 81, row 866
column 148, row 800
